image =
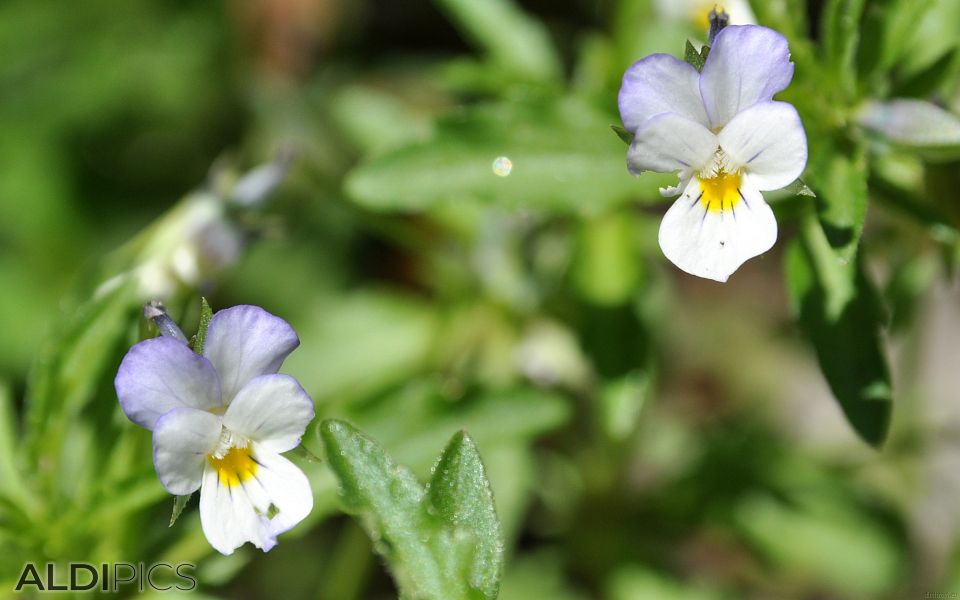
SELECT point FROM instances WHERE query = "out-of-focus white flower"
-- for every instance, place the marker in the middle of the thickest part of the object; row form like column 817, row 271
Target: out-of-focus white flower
column 198, row 239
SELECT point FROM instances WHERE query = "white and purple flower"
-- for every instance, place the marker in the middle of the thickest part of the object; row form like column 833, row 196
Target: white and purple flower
column 728, row 139
column 220, row 422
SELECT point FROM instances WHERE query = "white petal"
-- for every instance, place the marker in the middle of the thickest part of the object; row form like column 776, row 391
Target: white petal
column 160, row 374
column 234, row 515
column 670, row 142
column 227, row 516
column 768, row 140
column 714, row 244
column 288, row 489
column 657, row 84
column 182, row 439
column 272, row 410
column 747, row 64
column 246, row 341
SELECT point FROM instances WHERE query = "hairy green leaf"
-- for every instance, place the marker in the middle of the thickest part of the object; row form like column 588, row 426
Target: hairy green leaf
column 460, row 498
column 206, row 313
column 440, row 544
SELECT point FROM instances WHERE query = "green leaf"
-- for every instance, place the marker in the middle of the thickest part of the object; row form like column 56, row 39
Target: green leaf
column 633, row 582
column 460, row 497
column 511, row 38
column 840, row 35
column 888, row 30
column 439, row 545
column 696, row 59
column 179, row 503
column 799, row 188
column 930, row 80
column 304, row 454
column 387, row 499
column 838, row 174
column 374, row 120
column 606, row 270
column 73, row 361
column 822, row 539
column 622, row 401
column 559, row 162
column 11, row 480
column 206, row 313
column 623, row 134
column 839, row 311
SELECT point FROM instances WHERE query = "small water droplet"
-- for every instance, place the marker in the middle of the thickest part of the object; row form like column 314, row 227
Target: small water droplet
column 502, row 166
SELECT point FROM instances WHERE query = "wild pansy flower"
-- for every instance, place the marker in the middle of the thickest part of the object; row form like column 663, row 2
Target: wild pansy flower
column 220, row 422
column 727, row 138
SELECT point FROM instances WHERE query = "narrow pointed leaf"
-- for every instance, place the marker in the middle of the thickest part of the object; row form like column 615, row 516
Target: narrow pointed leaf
column 179, row 503
column 838, row 309
column 623, row 134
column 206, row 313
column 799, row 188
column 303, row 454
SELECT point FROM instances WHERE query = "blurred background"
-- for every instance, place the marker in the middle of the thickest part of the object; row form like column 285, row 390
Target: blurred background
column 647, row 434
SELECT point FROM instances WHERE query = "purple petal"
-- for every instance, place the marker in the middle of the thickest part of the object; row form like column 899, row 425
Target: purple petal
column 161, row 374
column 747, row 64
column 657, row 84
column 244, row 342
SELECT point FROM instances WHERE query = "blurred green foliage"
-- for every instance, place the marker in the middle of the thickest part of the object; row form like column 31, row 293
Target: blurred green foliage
column 644, row 435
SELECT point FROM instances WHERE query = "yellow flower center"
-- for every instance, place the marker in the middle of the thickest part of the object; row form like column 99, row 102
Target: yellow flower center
column 235, row 466
column 720, row 192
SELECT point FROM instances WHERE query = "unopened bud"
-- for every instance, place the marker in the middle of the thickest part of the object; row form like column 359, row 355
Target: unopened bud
column 157, row 312
column 719, row 19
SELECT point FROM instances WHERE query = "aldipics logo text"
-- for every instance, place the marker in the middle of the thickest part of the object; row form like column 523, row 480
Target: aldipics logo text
column 106, row 577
